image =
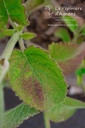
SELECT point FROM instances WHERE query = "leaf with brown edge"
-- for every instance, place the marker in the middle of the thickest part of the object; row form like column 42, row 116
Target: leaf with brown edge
column 68, row 56
column 36, row 78
column 71, row 65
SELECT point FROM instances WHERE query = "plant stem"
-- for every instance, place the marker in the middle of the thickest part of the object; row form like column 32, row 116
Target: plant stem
column 47, row 121
column 21, row 44
column 1, row 105
column 10, row 46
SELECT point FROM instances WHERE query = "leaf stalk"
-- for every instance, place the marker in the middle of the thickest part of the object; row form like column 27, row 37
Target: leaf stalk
column 47, row 121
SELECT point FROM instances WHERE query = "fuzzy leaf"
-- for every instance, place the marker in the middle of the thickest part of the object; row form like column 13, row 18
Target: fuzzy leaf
column 69, row 57
column 17, row 115
column 12, row 9
column 62, row 52
column 36, row 79
column 60, row 113
column 8, row 32
column 71, row 65
column 71, row 23
column 63, row 34
column 28, row 35
column 73, row 103
column 65, row 110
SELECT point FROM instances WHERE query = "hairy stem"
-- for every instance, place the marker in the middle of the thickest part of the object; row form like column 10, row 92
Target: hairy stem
column 1, row 105
column 10, row 46
column 21, row 44
column 47, row 121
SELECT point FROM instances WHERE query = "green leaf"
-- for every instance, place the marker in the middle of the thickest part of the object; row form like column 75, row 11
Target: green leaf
column 8, row 32
column 83, row 32
column 68, row 56
column 71, row 23
column 3, row 15
column 63, row 34
column 36, row 79
column 80, row 71
column 63, row 111
column 19, row 28
column 1, row 35
column 33, row 4
column 62, row 52
column 73, row 103
column 14, row 117
column 12, row 9
column 80, row 39
column 28, row 35
column 60, row 113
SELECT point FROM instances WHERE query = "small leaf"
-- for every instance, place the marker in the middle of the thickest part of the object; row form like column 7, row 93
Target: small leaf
column 63, row 34
column 14, row 117
column 36, row 79
column 28, row 35
column 19, row 28
column 71, row 23
column 80, row 71
column 8, row 32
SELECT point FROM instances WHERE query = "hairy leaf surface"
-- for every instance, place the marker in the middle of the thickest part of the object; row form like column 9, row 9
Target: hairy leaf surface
column 12, row 9
column 62, row 52
column 36, row 79
column 68, row 56
column 73, row 103
column 17, row 115
column 60, row 113
column 65, row 110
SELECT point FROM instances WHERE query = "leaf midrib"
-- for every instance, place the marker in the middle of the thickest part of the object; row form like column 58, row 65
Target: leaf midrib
column 6, row 8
